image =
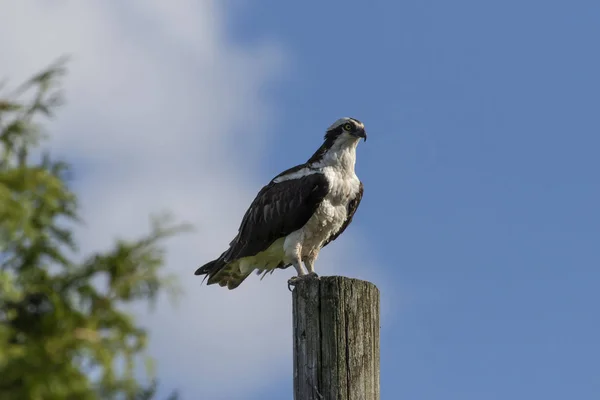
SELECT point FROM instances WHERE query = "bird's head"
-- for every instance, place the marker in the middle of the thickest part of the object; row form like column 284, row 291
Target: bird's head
column 346, row 129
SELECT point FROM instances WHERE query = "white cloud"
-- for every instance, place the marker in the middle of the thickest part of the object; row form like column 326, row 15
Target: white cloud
column 166, row 113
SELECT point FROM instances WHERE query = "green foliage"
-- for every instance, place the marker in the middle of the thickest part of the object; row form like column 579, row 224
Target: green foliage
column 64, row 333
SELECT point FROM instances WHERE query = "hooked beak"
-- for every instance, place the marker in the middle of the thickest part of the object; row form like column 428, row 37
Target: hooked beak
column 361, row 134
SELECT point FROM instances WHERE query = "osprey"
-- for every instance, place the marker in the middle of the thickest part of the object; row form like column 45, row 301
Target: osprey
column 296, row 214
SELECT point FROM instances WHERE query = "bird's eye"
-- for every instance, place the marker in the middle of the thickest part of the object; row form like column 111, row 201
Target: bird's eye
column 347, row 127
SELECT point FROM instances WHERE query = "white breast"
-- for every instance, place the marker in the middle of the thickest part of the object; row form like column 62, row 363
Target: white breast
column 343, row 185
column 332, row 212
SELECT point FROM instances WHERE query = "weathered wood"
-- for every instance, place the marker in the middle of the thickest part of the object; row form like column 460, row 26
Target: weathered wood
column 336, row 339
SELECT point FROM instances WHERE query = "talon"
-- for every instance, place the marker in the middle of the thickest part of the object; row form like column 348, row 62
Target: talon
column 312, row 275
column 293, row 281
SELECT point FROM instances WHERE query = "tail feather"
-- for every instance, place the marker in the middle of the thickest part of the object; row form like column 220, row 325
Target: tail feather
column 206, row 268
column 229, row 274
column 233, row 279
column 217, row 271
column 210, row 269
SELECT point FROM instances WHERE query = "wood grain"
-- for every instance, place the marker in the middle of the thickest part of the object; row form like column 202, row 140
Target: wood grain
column 336, row 339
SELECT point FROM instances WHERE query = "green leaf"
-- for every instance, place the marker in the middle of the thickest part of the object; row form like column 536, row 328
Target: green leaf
column 64, row 334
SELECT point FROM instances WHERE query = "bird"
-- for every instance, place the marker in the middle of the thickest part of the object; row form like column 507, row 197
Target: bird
column 300, row 211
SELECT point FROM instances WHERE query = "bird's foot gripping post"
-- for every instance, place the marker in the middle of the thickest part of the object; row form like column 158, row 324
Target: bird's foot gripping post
column 293, row 281
column 336, row 339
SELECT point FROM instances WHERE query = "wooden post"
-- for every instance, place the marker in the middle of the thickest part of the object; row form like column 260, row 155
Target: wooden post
column 336, row 339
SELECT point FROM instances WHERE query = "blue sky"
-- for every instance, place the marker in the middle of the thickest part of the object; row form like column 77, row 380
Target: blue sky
column 480, row 218
column 481, row 176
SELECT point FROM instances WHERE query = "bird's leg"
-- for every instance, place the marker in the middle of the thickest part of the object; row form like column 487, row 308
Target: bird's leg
column 293, row 250
column 309, row 261
column 301, row 274
column 298, row 266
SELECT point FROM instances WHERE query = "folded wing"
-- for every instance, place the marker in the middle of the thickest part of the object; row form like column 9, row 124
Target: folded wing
column 278, row 210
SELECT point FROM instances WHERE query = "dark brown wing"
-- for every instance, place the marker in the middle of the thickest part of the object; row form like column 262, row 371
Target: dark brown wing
column 278, row 210
column 352, row 207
